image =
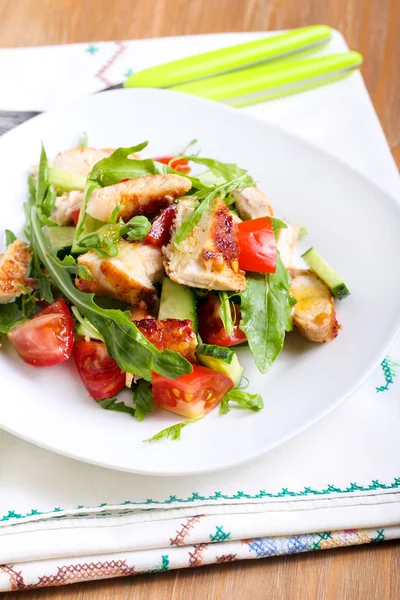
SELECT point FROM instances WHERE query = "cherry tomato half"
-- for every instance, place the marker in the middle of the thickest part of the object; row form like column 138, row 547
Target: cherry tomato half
column 47, row 338
column 160, row 232
column 75, row 215
column 257, row 245
column 191, row 395
column 211, row 328
column 180, row 164
column 99, row 372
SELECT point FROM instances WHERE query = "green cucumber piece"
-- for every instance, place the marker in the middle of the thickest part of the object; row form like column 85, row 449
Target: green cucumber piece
column 64, row 181
column 177, row 302
column 326, row 273
column 221, row 360
column 60, row 237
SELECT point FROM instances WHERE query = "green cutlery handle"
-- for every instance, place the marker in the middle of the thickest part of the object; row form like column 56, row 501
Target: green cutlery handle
column 270, row 80
column 234, row 57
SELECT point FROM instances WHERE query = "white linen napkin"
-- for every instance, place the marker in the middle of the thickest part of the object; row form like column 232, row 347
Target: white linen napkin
column 337, row 484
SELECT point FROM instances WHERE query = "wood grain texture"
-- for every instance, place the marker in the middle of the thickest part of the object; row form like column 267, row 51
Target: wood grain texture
column 373, row 28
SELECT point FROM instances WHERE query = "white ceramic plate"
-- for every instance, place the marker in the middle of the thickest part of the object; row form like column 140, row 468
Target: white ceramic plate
column 351, row 222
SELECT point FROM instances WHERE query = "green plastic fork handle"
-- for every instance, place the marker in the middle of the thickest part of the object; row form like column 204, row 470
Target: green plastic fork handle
column 228, row 59
column 272, row 80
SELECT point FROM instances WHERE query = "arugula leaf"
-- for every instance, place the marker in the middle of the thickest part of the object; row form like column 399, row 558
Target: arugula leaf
column 125, row 343
column 277, row 224
column 17, row 312
column 44, row 286
column 9, row 317
column 113, row 404
column 10, row 237
column 265, row 307
column 225, row 312
column 103, row 241
column 173, row 432
column 112, row 169
column 143, row 399
column 223, row 170
column 42, row 181
column 242, row 400
column 85, row 328
column 137, row 228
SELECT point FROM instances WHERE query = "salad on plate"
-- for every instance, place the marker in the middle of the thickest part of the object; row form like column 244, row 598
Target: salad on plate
column 147, row 272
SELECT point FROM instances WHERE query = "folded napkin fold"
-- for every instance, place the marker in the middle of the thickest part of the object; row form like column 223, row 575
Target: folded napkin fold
column 337, row 484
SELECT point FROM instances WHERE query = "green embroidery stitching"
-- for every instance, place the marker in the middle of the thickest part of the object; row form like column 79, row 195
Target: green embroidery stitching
column 164, row 566
column 316, row 543
column 285, row 492
column 389, row 368
column 380, row 536
column 92, row 49
column 219, row 535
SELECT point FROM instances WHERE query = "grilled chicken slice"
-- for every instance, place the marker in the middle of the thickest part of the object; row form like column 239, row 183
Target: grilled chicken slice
column 287, row 240
column 129, row 276
column 208, row 257
column 79, row 160
column 173, row 334
column 14, row 265
column 143, row 196
column 65, row 206
column 251, row 203
column 314, row 314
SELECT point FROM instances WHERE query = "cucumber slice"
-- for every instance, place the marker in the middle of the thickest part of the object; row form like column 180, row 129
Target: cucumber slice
column 177, row 302
column 60, row 237
column 221, row 360
column 326, row 273
column 64, row 181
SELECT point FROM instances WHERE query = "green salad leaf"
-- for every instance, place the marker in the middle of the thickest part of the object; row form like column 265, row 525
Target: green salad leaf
column 265, row 307
column 225, row 312
column 125, row 343
column 136, row 229
column 84, row 326
column 278, row 224
column 242, row 399
column 173, row 432
column 10, row 237
column 222, row 170
column 10, row 315
column 113, row 404
column 143, row 399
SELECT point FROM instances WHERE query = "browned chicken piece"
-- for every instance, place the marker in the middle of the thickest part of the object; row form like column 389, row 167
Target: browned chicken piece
column 79, row 160
column 208, row 257
column 14, row 265
column 314, row 314
column 66, row 205
column 251, row 203
column 173, row 334
column 143, row 196
column 130, row 276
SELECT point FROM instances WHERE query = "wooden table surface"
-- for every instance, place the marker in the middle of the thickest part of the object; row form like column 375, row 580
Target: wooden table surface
column 371, row 27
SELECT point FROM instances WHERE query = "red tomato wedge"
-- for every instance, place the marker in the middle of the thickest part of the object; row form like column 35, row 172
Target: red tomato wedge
column 46, row 339
column 257, row 246
column 160, row 232
column 99, row 372
column 191, row 395
column 180, row 164
column 211, row 328
column 75, row 215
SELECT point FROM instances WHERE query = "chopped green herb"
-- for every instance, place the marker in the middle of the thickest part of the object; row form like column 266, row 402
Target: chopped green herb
column 10, row 237
column 173, row 432
column 113, row 404
column 143, row 399
column 242, row 400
